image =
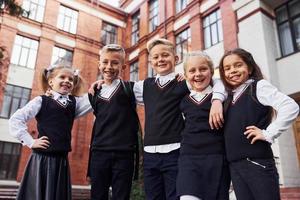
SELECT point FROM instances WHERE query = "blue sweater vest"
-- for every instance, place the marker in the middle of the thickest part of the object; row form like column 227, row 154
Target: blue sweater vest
column 246, row 111
column 198, row 138
column 163, row 118
column 55, row 121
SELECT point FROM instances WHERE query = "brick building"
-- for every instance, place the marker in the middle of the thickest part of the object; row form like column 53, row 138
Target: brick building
column 75, row 31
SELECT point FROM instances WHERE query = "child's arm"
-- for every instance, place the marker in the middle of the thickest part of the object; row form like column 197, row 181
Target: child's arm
column 18, row 127
column 138, row 92
column 216, row 118
column 83, row 106
column 286, row 112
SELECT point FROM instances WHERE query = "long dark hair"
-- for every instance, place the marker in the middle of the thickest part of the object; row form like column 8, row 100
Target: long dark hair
column 255, row 72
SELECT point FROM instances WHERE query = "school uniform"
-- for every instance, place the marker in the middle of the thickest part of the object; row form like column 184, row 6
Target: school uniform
column 47, row 174
column 252, row 167
column 113, row 143
column 202, row 161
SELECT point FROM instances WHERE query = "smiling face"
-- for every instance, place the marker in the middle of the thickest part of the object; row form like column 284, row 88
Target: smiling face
column 236, row 71
column 62, row 81
column 198, row 72
column 162, row 59
column 110, row 65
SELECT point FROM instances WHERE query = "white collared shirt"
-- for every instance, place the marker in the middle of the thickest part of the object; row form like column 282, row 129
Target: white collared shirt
column 198, row 96
column 286, row 108
column 17, row 122
column 107, row 90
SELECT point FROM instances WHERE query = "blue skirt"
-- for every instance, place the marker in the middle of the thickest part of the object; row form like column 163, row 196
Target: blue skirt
column 46, row 177
column 204, row 176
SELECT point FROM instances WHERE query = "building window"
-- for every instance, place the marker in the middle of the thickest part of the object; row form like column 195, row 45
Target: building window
column 135, row 28
column 134, row 71
column 67, row 19
column 151, row 72
column 60, row 55
column 153, row 15
column 15, row 97
column 9, row 156
column 180, row 5
column 109, row 34
column 36, row 9
column 183, row 43
column 24, row 52
column 212, row 26
column 288, row 23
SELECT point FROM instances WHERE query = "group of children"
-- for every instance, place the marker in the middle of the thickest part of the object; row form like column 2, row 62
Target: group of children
column 189, row 153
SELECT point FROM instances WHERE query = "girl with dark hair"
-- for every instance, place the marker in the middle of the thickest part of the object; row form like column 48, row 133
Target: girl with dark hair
column 248, row 129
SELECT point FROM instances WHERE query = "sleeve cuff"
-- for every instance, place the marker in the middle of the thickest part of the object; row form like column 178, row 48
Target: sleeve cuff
column 268, row 137
column 219, row 96
column 26, row 140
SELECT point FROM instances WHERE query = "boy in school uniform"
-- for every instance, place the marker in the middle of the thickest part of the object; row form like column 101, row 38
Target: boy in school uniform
column 114, row 137
column 161, row 96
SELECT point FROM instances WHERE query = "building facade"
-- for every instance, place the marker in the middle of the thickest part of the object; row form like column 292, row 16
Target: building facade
column 75, row 31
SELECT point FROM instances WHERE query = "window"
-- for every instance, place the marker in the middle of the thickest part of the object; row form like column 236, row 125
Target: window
column 151, row 72
column 24, row 52
column 183, row 43
column 67, row 19
column 212, row 25
column 134, row 71
column 135, row 28
column 288, row 24
column 15, row 97
column 109, row 34
column 180, row 5
column 9, row 156
column 60, row 55
column 36, row 9
column 153, row 15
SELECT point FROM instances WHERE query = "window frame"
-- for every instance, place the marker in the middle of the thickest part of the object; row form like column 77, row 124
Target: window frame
column 134, row 71
column 13, row 95
column 39, row 8
column 209, row 26
column 180, row 5
column 181, row 43
column 24, row 48
column 290, row 19
column 112, row 34
column 153, row 15
column 65, row 22
column 135, row 28
column 13, row 161
column 60, row 58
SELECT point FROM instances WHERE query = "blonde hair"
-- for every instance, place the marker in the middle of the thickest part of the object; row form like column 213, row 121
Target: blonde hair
column 199, row 54
column 114, row 48
column 154, row 42
column 51, row 71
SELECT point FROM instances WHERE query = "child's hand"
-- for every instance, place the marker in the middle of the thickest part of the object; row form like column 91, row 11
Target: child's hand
column 49, row 93
column 41, row 143
column 253, row 133
column 216, row 118
column 179, row 77
column 95, row 84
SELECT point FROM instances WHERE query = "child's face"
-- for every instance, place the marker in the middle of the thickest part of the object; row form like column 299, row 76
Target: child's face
column 162, row 59
column 198, row 73
column 110, row 65
column 62, row 81
column 236, row 71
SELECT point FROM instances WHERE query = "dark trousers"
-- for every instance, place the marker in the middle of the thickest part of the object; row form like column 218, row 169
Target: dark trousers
column 111, row 168
column 160, row 172
column 255, row 179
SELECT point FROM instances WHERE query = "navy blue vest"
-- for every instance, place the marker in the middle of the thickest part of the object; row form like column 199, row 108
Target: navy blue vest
column 198, row 138
column 163, row 118
column 246, row 111
column 55, row 121
column 116, row 125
